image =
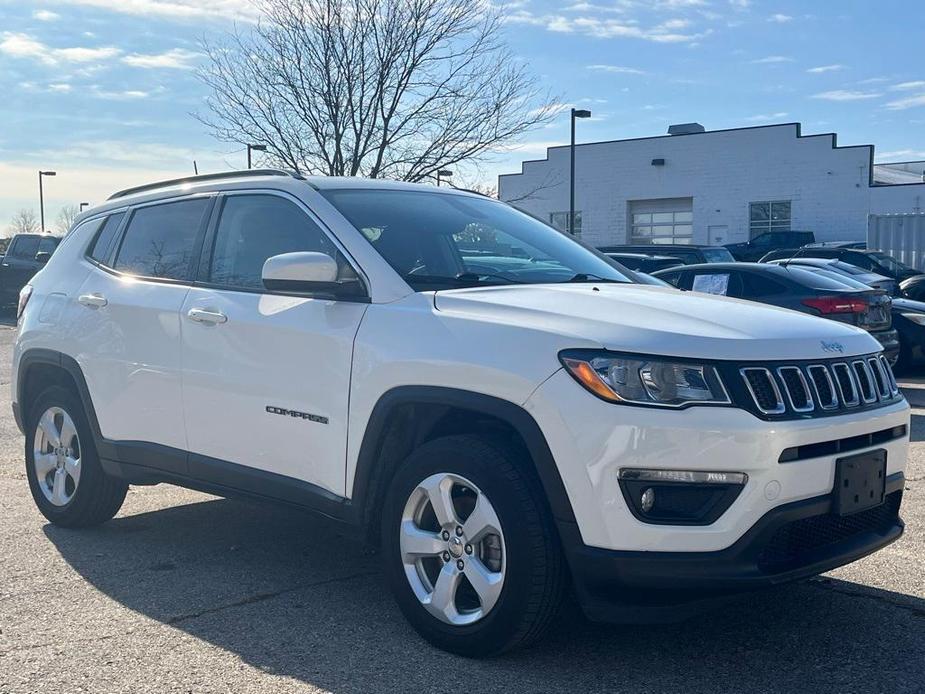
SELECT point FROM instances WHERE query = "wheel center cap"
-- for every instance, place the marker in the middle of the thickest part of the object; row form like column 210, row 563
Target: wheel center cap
column 455, row 546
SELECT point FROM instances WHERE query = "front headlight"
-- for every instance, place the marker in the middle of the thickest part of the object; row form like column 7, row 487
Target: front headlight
column 917, row 318
column 643, row 380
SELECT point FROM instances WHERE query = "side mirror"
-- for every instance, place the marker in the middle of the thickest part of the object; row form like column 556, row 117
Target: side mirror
column 42, row 257
column 308, row 273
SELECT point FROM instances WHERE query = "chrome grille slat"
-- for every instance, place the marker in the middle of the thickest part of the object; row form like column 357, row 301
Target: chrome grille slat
column 820, row 389
column 768, row 379
column 799, row 402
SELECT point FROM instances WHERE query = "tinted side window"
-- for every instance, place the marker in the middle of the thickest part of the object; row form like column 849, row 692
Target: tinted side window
column 102, row 245
column 759, row 285
column 159, row 239
column 859, row 260
column 253, row 228
column 47, row 244
column 25, row 247
column 672, row 278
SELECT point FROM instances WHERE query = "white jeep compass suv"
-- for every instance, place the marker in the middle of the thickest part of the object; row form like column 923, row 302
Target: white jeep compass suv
column 502, row 409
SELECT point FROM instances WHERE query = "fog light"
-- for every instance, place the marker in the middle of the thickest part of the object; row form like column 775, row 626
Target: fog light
column 684, row 497
column 647, row 500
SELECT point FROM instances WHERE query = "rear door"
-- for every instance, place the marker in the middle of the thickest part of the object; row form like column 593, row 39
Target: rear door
column 129, row 321
column 266, row 374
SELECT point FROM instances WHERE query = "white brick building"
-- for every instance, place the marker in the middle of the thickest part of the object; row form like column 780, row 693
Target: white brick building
column 716, row 187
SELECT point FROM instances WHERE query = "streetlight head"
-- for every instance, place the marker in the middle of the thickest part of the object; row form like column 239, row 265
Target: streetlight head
column 258, row 148
column 581, row 113
column 48, row 173
column 445, row 172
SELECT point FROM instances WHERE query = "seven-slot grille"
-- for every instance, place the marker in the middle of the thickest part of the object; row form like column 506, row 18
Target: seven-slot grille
column 822, row 388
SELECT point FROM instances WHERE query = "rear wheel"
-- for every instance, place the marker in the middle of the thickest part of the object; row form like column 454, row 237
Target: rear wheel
column 65, row 476
column 470, row 549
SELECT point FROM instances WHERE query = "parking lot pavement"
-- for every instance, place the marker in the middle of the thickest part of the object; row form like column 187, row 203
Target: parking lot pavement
column 184, row 592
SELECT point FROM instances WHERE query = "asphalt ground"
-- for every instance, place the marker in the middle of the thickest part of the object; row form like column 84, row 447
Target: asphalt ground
column 184, row 592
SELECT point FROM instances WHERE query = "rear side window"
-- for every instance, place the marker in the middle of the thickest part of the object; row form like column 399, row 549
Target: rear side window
column 102, row 244
column 25, row 247
column 759, row 285
column 47, row 244
column 159, row 239
column 253, row 228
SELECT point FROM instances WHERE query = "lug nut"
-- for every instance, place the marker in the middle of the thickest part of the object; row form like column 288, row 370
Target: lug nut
column 446, row 556
column 445, row 535
column 459, row 530
column 460, row 564
column 468, row 549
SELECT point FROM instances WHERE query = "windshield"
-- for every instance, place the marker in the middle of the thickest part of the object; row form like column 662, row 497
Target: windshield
column 717, row 255
column 443, row 241
column 890, row 263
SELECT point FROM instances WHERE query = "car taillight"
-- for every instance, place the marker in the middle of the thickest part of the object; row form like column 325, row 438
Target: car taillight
column 24, row 295
column 837, row 304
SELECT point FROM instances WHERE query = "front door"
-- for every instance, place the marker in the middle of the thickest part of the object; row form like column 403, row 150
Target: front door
column 266, row 376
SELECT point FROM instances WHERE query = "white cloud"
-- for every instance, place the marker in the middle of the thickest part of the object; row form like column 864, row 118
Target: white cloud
column 19, row 45
column 764, row 118
column 909, row 102
column 118, row 95
column 616, row 69
column 780, row 18
column 773, row 59
column 45, row 15
column 177, row 9
column 907, row 86
column 898, row 154
column 740, row 4
column 846, row 95
column 608, row 27
column 825, row 68
column 175, row 58
column 60, row 87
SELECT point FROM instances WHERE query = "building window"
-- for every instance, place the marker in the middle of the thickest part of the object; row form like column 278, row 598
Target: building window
column 663, row 227
column 773, row 215
column 560, row 221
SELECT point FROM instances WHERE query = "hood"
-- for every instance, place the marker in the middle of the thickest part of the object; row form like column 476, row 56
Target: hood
column 660, row 321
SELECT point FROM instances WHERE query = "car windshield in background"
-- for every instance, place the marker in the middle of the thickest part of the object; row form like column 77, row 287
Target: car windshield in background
column 717, row 255
column 891, row 263
column 816, row 280
column 444, row 241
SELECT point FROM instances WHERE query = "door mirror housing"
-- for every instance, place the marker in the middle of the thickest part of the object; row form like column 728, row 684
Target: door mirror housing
column 42, row 257
column 308, row 272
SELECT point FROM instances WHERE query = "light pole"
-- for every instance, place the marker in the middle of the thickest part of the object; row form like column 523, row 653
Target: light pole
column 83, row 205
column 576, row 113
column 444, row 173
column 254, row 148
column 42, row 197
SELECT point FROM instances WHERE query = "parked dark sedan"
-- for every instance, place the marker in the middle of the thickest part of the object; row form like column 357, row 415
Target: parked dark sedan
column 794, row 288
column 872, row 261
column 644, row 263
column 686, row 253
column 756, row 248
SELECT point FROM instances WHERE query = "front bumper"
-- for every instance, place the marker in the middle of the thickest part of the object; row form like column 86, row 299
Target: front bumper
column 793, row 541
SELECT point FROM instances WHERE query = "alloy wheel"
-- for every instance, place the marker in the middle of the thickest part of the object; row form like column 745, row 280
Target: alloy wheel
column 56, row 456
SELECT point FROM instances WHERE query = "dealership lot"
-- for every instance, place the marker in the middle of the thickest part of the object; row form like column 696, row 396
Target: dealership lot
column 184, row 592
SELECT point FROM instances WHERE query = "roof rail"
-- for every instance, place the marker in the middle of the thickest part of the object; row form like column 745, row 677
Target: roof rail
column 205, row 177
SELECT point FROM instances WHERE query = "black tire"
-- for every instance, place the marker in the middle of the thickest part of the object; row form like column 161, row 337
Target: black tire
column 98, row 496
column 535, row 573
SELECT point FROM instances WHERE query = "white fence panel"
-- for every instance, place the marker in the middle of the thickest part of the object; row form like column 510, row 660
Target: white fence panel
column 899, row 235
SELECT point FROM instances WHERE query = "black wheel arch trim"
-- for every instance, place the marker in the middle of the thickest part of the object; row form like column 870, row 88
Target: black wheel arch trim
column 146, row 462
column 521, row 421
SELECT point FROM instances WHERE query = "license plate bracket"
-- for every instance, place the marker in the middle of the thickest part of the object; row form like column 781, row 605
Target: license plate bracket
column 860, row 482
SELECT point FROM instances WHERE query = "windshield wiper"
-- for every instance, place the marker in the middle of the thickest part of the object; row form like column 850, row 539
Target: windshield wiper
column 588, row 277
column 477, row 276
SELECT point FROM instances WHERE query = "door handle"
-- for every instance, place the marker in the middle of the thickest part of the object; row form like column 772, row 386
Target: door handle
column 92, row 300
column 201, row 315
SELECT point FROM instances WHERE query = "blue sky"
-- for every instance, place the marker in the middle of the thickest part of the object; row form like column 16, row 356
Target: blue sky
column 101, row 90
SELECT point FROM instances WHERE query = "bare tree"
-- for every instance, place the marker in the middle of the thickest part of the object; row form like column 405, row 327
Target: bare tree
column 378, row 88
column 24, row 222
column 66, row 218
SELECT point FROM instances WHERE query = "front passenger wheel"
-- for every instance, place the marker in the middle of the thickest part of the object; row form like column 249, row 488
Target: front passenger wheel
column 470, row 549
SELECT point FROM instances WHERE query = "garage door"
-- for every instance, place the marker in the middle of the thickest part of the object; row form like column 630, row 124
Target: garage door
column 668, row 220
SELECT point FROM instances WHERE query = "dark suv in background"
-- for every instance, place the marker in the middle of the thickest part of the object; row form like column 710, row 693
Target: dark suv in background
column 688, row 254
column 26, row 255
column 753, row 250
